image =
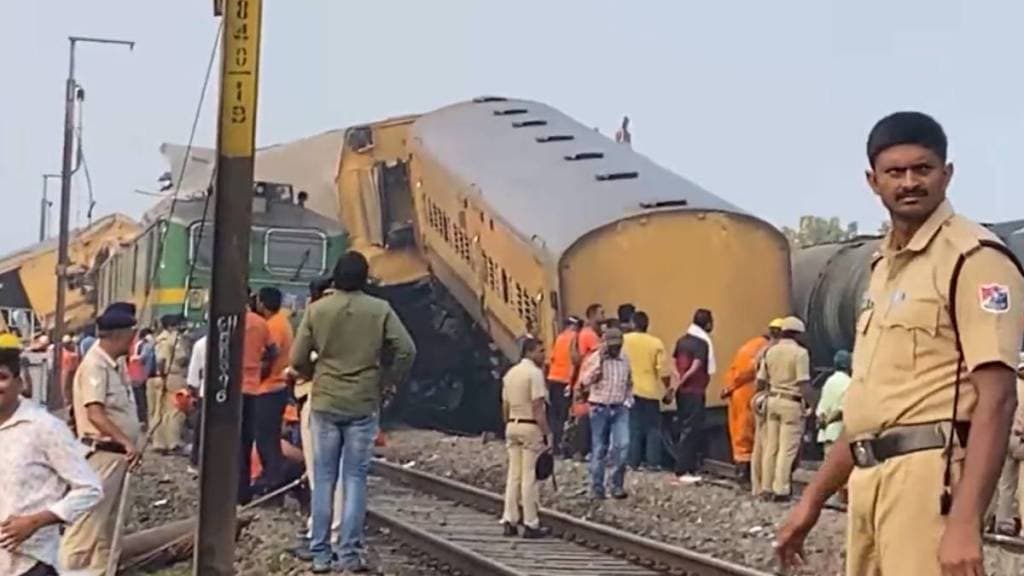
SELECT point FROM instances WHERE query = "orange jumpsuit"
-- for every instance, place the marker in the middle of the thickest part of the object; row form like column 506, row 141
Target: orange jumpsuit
column 739, row 381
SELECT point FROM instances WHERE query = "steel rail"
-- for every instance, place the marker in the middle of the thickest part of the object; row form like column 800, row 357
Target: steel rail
column 642, row 551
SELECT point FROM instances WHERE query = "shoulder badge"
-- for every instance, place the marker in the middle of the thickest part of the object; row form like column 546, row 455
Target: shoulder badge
column 994, row 298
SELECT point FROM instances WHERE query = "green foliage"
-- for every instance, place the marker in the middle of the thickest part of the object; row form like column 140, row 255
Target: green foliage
column 817, row 230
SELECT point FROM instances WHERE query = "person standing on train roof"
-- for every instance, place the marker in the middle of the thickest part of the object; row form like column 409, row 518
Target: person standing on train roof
column 606, row 379
column 759, row 409
column 527, row 435
column 107, row 424
column 646, row 354
column 166, row 422
column 929, row 409
column 45, row 480
column 739, row 389
column 784, row 373
column 362, row 348
column 272, row 396
column 694, row 360
column 560, row 377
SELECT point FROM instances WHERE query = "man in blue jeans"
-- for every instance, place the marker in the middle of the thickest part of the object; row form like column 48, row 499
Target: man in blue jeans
column 361, row 347
column 606, row 377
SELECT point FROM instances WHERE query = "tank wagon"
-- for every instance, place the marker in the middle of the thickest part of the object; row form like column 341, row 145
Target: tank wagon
column 289, row 245
column 829, row 281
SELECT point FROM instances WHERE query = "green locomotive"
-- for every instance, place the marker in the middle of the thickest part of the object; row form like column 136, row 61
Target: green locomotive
column 289, row 246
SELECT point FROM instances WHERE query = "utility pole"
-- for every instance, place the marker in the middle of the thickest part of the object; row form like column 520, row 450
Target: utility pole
column 44, row 207
column 222, row 407
column 54, row 389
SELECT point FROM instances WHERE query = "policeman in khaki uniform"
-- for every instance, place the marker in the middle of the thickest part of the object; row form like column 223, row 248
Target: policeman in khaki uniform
column 108, row 425
column 925, row 420
column 165, row 420
column 783, row 372
column 759, row 406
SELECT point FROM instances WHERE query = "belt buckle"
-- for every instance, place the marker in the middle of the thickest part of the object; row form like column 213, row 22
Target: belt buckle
column 863, row 454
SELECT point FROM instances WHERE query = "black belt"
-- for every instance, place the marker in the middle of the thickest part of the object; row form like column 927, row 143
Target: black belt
column 104, row 446
column 521, row 421
column 785, row 396
column 870, row 452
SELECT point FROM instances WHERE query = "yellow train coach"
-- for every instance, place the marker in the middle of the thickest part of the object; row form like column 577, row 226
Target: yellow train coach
column 526, row 216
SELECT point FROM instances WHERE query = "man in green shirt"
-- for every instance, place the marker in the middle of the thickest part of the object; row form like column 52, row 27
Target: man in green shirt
column 361, row 346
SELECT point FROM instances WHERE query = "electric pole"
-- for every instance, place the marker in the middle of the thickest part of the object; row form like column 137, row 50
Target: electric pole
column 233, row 192
column 44, row 207
column 54, row 389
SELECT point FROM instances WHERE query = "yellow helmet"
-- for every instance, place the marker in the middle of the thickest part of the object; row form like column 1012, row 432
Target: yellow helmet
column 776, row 323
column 8, row 340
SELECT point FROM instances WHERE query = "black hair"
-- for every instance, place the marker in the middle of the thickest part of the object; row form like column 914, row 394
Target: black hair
column 641, row 321
column 592, row 309
column 10, row 358
column 351, row 272
column 318, row 286
column 702, row 318
column 145, row 332
column 625, row 313
column 169, row 321
column 531, row 344
column 899, row 128
column 271, row 298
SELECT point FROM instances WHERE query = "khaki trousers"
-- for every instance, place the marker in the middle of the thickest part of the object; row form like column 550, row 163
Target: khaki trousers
column 783, row 428
column 166, row 422
column 890, row 501
column 524, row 442
column 86, row 543
column 307, row 455
column 1008, row 502
column 758, row 453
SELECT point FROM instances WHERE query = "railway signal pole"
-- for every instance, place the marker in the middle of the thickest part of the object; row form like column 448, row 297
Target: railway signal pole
column 233, row 193
column 54, row 389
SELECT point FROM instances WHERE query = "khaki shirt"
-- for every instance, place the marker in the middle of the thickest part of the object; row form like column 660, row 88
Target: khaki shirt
column 1018, row 419
column 172, row 351
column 523, row 384
column 784, row 366
column 98, row 381
column 905, row 356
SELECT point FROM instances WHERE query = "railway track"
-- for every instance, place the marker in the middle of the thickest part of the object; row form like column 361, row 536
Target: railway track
column 455, row 527
column 728, row 470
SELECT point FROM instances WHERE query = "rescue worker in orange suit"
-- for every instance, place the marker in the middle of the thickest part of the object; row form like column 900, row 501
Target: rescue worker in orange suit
column 739, row 390
column 928, row 411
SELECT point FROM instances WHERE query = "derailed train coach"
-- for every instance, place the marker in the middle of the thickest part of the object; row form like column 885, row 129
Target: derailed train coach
column 829, row 281
column 527, row 216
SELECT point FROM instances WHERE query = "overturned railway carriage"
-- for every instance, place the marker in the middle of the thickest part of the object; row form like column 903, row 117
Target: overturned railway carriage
column 289, row 246
column 526, row 216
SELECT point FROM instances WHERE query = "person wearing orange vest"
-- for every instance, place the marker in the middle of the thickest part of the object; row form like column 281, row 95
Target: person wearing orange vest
column 739, row 389
column 560, row 377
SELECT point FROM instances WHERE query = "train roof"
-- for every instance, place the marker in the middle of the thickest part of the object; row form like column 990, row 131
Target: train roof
column 277, row 215
column 498, row 147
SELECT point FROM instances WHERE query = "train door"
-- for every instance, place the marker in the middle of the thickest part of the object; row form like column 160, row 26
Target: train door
column 397, row 212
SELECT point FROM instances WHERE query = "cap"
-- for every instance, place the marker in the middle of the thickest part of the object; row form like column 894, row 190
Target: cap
column 117, row 316
column 9, row 341
column 792, row 324
column 613, row 336
column 842, row 359
column 776, row 323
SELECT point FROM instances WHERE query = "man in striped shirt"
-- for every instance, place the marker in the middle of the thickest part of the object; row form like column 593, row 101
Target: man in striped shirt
column 607, row 379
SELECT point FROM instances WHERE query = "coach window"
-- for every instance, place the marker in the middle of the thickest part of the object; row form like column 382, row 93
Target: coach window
column 297, row 254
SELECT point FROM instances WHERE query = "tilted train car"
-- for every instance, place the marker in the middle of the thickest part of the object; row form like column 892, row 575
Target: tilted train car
column 829, row 282
column 526, row 216
column 289, row 246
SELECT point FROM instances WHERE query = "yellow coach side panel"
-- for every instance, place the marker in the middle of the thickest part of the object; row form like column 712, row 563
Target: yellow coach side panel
column 671, row 263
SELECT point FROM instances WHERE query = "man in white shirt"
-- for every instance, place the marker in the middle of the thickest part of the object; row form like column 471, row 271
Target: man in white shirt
column 195, row 380
column 45, row 480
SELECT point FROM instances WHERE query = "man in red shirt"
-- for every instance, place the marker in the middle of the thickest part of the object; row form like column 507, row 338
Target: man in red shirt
column 257, row 355
column 694, row 358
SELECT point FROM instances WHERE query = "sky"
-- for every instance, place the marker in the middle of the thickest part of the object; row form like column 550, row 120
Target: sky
column 766, row 104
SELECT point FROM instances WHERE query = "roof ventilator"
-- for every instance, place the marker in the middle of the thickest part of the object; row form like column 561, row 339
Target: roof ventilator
column 584, row 156
column 485, row 99
column 510, row 111
column 528, row 123
column 555, row 138
column 606, row 176
column 664, row 204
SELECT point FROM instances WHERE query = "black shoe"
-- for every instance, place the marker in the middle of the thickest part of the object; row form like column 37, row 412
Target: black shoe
column 595, row 495
column 780, row 498
column 619, row 494
column 536, row 533
column 507, row 529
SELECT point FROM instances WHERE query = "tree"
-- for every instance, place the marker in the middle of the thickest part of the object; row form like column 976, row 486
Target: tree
column 817, row 230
